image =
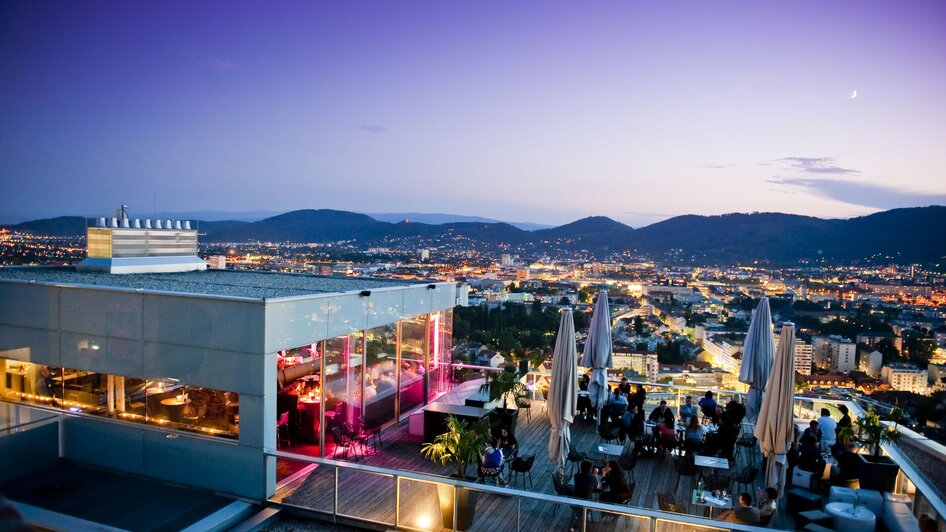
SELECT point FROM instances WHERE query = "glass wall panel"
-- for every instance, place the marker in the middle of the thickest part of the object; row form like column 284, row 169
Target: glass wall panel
column 380, row 370
column 163, row 402
column 441, row 334
column 299, row 398
column 413, row 366
column 343, row 360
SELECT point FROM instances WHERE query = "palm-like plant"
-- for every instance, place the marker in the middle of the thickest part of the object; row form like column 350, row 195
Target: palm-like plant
column 872, row 433
column 461, row 445
column 506, row 384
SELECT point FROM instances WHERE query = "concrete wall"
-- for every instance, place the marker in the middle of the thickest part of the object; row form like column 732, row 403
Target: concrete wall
column 28, row 451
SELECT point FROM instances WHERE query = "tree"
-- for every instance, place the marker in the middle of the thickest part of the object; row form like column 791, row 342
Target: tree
column 920, row 350
column 638, row 325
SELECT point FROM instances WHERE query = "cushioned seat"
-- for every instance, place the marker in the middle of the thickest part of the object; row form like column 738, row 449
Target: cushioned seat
column 802, row 479
column 817, row 517
column 872, row 500
column 841, row 494
column 898, row 497
column 801, row 500
column 898, row 517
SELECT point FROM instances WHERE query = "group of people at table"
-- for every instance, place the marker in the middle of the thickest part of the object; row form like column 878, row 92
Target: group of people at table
column 623, row 418
column 821, row 444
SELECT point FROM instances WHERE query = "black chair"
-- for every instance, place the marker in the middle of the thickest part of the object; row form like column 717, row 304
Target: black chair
column 608, row 432
column 746, row 443
column 746, row 477
column 342, row 440
column 357, row 436
column 525, row 405
column 574, row 458
column 490, row 473
column 667, row 503
column 561, row 486
column 628, row 462
column 522, row 467
column 684, row 467
column 373, row 432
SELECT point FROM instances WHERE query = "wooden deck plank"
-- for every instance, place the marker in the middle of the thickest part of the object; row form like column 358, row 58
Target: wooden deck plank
column 373, row 497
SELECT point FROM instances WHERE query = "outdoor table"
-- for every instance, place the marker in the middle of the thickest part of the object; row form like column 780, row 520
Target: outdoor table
column 847, row 518
column 610, row 449
column 711, row 502
column 713, row 462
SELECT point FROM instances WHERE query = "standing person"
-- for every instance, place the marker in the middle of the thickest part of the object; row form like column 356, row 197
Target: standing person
column 687, row 410
column 827, row 425
column 658, row 414
column 640, row 397
column 844, row 422
column 625, row 387
column 709, row 407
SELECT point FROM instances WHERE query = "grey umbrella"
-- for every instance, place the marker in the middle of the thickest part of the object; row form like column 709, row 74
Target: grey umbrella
column 597, row 353
column 563, row 390
column 775, row 427
column 757, row 355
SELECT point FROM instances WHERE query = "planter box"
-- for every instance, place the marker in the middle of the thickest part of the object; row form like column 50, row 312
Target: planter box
column 465, row 508
column 878, row 473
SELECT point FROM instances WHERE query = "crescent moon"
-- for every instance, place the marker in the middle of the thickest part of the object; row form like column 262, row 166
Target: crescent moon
column 853, row 94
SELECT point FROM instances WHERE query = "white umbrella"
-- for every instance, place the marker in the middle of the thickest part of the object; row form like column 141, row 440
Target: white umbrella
column 563, row 390
column 774, row 428
column 757, row 356
column 597, row 353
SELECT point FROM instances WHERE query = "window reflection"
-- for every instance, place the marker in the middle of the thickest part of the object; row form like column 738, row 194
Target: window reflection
column 162, row 402
column 380, row 383
column 413, row 365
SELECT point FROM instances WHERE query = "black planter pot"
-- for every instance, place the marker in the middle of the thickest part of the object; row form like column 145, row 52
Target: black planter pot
column 465, row 507
column 504, row 417
column 878, row 473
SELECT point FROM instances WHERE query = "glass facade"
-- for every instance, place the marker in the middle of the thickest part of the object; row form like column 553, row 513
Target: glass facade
column 371, row 378
column 161, row 402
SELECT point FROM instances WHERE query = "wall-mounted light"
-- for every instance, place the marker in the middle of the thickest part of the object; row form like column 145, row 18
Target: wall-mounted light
column 365, row 293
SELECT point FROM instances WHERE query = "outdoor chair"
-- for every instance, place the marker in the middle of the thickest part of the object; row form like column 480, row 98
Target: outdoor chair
column 628, row 462
column 561, row 486
column 574, row 458
column 282, row 427
column 685, row 468
column 373, row 432
column 342, row 440
column 608, row 432
column 525, row 405
column 522, row 467
column 490, row 473
column 746, row 477
column 746, row 443
column 357, row 436
column 667, row 503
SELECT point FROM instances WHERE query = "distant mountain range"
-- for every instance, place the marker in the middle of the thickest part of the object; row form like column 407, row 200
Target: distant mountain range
column 905, row 235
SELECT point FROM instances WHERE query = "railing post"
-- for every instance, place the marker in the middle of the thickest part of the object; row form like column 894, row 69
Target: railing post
column 335, row 508
column 455, row 506
column 397, row 501
column 584, row 519
column 518, row 513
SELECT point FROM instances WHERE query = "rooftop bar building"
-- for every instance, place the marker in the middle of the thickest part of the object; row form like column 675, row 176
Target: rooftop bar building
column 179, row 376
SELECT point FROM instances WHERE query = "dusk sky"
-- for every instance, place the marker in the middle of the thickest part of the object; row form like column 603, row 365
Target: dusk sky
column 543, row 112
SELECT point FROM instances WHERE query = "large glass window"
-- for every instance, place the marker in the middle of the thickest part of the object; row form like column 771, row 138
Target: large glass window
column 163, row 402
column 441, row 334
column 381, row 374
column 343, row 361
column 413, row 364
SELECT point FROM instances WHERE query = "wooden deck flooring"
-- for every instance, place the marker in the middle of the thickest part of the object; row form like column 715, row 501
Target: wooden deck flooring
column 372, row 497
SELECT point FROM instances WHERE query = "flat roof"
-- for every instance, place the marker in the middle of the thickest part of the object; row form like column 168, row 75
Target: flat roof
column 225, row 283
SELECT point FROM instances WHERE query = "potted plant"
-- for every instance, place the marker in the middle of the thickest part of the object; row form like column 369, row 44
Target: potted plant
column 877, row 472
column 463, row 444
column 504, row 385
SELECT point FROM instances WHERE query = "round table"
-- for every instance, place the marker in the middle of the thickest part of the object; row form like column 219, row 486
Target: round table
column 846, row 518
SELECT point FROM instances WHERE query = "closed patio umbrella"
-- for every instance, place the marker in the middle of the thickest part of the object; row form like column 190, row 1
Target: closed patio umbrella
column 563, row 390
column 597, row 353
column 757, row 355
column 775, row 429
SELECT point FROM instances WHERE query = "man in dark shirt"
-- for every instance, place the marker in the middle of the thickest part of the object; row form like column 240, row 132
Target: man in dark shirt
column 849, row 466
column 708, row 406
column 659, row 413
column 586, row 480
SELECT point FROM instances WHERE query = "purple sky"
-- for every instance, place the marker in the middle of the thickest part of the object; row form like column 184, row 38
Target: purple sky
column 540, row 112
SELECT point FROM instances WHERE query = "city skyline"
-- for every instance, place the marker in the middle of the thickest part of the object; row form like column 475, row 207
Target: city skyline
column 531, row 113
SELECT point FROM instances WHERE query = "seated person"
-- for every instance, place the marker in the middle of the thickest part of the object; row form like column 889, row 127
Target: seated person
column 693, row 437
column 726, row 436
column 613, row 481
column 507, row 442
column 809, row 456
column 813, row 430
column 632, row 423
column 768, row 503
column 617, row 404
column 687, row 410
column 494, row 456
column 667, row 434
column 746, row 513
column 709, row 406
column 659, row 413
column 586, row 480
column 849, row 465
column 624, row 387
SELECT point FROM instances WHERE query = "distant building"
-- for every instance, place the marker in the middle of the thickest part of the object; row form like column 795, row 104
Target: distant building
column 905, row 377
column 642, row 363
column 834, row 353
column 522, row 274
column 423, row 254
column 506, row 260
column 872, row 338
column 217, row 262
column 870, row 362
column 725, row 352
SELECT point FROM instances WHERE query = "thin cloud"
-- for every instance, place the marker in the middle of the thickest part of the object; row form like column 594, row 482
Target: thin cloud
column 718, row 166
column 862, row 193
column 816, row 165
column 372, row 129
column 217, row 64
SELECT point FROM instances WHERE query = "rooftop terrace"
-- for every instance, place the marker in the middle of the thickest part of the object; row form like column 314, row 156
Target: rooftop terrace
column 222, row 283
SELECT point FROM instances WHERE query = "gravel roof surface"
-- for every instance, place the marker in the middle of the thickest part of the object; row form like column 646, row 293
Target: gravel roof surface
column 246, row 284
